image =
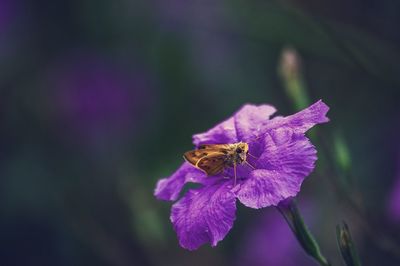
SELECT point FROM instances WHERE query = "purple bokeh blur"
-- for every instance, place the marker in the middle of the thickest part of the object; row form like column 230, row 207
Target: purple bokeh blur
column 6, row 14
column 393, row 207
column 270, row 242
column 96, row 101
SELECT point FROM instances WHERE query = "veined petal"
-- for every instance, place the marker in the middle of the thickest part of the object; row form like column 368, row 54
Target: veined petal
column 302, row 121
column 287, row 159
column 204, row 215
column 250, row 119
column 170, row 187
column 265, row 188
column 224, row 132
column 288, row 152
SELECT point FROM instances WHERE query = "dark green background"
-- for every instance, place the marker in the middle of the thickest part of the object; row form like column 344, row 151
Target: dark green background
column 87, row 198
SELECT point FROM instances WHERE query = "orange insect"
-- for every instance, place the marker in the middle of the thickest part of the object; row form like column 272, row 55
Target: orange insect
column 214, row 158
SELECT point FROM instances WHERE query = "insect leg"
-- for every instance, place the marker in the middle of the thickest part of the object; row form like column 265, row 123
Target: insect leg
column 234, row 171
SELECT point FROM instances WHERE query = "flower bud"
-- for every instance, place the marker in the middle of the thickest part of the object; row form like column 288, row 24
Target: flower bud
column 292, row 78
column 346, row 245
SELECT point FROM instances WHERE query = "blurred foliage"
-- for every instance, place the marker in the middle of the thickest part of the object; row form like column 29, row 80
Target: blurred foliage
column 99, row 99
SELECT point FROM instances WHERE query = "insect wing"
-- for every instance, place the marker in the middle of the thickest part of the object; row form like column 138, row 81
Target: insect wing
column 213, row 163
column 214, row 147
column 194, row 156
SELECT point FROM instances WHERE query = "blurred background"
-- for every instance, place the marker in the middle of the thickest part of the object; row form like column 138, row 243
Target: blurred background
column 99, row 100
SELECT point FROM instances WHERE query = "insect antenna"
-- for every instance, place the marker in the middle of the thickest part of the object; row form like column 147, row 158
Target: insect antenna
column 251, row 155
column 258, row 137
column 247, row 163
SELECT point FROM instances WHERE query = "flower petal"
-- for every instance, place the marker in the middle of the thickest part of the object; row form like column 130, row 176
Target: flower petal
column 250, row 119
column 287, row 151
column 265, row 188
column 170, row 187
column 204, row 215
column 302, row 121
column 287, row 159
column 224, row 132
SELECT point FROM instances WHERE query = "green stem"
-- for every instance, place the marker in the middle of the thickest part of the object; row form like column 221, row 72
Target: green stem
column 296, row 223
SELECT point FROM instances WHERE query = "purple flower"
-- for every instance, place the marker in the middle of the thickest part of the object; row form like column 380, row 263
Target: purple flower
column 283, row 157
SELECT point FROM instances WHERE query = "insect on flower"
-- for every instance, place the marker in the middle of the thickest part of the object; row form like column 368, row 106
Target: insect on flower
column 214, row 158
column 251, row 157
